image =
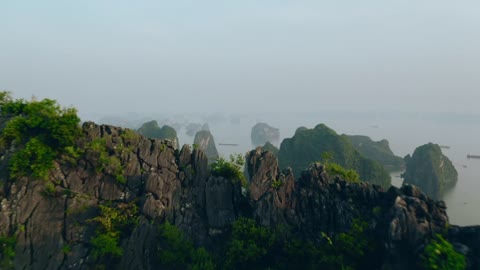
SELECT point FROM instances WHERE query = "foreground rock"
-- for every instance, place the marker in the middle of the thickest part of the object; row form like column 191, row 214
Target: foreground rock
column 379, row 151
column 429, row 169
column 309, row 145
column 53, row 230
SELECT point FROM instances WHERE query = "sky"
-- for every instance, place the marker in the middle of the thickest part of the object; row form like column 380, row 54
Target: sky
column 117, row 56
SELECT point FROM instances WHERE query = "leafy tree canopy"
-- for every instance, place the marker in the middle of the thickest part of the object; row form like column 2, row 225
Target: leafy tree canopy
column 42, row 130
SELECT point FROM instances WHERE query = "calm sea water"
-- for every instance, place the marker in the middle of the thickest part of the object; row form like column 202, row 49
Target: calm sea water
column 405, row 132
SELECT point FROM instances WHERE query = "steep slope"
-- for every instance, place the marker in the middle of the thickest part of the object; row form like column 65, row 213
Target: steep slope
column 379, row 151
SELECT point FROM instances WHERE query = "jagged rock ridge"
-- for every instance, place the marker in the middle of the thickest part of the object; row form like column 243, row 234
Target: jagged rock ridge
column 176, row 186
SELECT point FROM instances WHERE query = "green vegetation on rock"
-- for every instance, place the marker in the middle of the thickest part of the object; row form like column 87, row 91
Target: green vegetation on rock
column 177, row 252
column 41, row 132
column 7, row 252
column 107, row 162
column 430, row 170
column 255, row 247
column 113, row 223
column 379, row 151
column 439, row 254
column 308, row 145
column 350, row 176
column 232, row 169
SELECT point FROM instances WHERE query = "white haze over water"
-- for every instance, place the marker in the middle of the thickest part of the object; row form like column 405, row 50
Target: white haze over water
column 410, row 67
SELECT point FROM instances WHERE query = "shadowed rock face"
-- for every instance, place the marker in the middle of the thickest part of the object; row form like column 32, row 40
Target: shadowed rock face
column 205, row 142
column 263, row 133
column 429, row 169
column 176, row 186
column 309, row 145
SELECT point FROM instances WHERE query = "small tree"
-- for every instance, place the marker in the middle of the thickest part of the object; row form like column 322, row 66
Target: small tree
column 41, row 130
column 232, row 169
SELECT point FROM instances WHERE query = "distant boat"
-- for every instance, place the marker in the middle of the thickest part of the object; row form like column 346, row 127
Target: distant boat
column 228, row 144
column 464, row 166
column 473, row 156
column 445, row 146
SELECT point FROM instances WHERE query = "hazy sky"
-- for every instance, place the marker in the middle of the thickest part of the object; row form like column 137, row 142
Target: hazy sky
column 269, row 55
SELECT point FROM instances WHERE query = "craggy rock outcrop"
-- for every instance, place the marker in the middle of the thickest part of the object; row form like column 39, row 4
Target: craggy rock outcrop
column 431, row 170
column 152, row 130
column 309, row 145
column 404, row 219
column 205, row 142
column 262, row 133
column 176, row 186
column 379, row 151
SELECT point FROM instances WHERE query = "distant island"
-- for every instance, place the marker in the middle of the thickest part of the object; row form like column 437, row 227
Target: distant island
column 89, row 196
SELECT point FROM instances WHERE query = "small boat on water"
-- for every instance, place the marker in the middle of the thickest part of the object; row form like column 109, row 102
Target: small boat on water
column 473, row 156
column 445, row 146
column 228, row 144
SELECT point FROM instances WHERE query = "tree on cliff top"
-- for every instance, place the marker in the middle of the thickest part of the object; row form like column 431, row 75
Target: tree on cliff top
column 41, row 130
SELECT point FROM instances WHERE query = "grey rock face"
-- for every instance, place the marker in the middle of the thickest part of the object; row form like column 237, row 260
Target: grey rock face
column 205, row 142
column 176, row 186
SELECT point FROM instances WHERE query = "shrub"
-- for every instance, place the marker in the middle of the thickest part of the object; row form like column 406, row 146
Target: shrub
column 250, row 244
column 440, row 254
column 113, row 223
column 177, row 252
column 350, row 175
column 106, row 162
column 42, row 131
column 7, row 252
column 232, row 169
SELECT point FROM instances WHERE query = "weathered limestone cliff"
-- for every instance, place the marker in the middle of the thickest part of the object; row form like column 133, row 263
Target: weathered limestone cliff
column 52, row 220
